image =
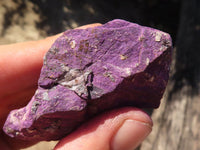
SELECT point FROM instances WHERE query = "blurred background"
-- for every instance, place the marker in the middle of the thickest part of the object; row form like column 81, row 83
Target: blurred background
column 177, row 121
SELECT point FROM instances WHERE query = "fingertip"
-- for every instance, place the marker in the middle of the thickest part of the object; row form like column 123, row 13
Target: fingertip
column 89, row 26
column 130, row 134
column 117, row 129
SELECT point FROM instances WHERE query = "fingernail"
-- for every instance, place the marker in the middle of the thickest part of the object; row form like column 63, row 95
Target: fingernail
column 130, row 135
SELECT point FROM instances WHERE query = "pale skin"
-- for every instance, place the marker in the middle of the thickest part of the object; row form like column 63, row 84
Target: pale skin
column 20, row 66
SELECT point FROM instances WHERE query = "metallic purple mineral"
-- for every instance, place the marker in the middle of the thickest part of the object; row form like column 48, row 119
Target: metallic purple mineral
column 87, row 71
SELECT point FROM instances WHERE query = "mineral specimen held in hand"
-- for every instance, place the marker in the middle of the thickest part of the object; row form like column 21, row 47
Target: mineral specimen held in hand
column 87, row 71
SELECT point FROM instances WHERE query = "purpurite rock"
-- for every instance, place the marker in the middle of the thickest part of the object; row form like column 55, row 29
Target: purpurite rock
column 87, row 71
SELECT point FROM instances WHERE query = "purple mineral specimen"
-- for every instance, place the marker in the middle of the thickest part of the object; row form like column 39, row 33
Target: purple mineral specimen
column 87, row 71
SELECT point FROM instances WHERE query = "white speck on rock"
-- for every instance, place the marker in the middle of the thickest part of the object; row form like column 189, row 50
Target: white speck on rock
column 158, row 36
column 45, row 96
column 137, row 64
column 147, row 61
column 73, row 44
column 123, row 57
column 128, row 71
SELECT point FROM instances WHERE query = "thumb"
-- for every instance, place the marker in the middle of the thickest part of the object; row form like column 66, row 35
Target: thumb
column 120, row 129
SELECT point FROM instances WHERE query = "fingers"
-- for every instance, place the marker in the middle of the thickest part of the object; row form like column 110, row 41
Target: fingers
column 20, row 66
column 21, row 62
column 122, row 129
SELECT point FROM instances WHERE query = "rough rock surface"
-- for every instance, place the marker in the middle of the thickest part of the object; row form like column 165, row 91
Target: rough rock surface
column 87, row 71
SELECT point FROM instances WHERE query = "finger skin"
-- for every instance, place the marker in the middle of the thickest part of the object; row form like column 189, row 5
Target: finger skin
column 20, row 66
column 21, row 63
column 98, row 133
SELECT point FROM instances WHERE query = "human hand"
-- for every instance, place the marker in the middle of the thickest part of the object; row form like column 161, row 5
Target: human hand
column 20, row 65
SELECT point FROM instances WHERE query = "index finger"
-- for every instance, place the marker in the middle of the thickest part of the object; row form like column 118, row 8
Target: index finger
column 20, row 66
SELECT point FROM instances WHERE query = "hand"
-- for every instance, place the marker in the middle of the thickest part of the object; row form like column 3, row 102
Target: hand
column 20, row 65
